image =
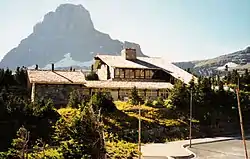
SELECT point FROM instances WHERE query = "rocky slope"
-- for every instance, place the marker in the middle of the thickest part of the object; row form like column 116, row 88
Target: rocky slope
column 68, row 30
column 236, row 60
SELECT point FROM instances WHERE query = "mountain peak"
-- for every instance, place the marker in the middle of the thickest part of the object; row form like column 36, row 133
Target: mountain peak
column 67, row 29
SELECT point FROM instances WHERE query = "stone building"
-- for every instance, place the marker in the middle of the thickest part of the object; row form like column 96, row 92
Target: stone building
column 152, row 76
column 54, row 84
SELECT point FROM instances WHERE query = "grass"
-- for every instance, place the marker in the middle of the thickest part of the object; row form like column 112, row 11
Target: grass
column 158, row 124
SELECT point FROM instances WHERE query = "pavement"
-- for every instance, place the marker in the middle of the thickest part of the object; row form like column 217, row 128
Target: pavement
column 176, row 149
column 231, row 149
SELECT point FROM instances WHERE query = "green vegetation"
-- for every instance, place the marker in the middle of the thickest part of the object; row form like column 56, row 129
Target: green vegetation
column 90, row 127
column 92, row 76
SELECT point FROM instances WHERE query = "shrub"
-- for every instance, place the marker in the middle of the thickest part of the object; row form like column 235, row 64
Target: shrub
column 92, row 76
column 168, row 105
column 148, row 102
column 49, row 153
column 103, row 101
column 121, row 149
column 76, row 99
column 135, row 99
column 80, row 136
column 158, row 102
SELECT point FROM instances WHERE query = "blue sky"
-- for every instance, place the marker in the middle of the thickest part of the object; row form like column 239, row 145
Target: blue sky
column 178, row 30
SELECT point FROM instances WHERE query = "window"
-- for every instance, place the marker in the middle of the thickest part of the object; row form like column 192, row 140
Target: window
column 148, row 74
column 131, row 73
column 117, row 73
column 137, row 73
column 141, row 93
column 124, row 93
column 122, row 73
column 127, row 73
column 152, row 93
column 163, row 93
column 141, row 73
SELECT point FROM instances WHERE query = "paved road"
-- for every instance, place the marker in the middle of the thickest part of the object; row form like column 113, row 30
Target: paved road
column 232, row 149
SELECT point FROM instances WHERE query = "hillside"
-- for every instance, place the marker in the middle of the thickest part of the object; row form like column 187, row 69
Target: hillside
column 68, row 32
column 237, row 60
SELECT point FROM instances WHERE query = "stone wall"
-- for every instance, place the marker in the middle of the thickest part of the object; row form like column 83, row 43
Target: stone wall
column 58, row 93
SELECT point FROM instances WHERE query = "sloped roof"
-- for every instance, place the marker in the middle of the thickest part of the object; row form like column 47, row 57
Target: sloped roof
column 119, row 61
column 174, row 70
column 56, row 77
column 128, row 84
column 148, row 63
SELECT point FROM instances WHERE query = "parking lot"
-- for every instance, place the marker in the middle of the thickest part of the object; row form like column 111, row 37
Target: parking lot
column 232, row 149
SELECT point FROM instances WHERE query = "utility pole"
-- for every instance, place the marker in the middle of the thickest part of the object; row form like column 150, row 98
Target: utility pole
column 190, row 120
column 241, row 121
column 139, row 132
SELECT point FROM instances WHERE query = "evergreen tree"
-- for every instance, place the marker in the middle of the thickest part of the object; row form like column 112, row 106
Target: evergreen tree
column 92, row 75
column 246, row 77
column 82, row 136
column 235, row 77
column 229, row 77
column 135, row 99
column 21, row 76
column 179, row 97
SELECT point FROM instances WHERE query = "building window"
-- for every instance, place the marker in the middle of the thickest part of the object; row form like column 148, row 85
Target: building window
column 141, row 93
column 117, row 73
column 148, row 74
column 137, row 73
column 122, row 73
column 127, row 73
column 124, row 93
column 131, row 73
column 152, row 93
column 163, row 93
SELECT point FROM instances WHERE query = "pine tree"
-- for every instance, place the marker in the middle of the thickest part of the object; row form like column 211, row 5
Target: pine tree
column 235, row 77
column 134, row 96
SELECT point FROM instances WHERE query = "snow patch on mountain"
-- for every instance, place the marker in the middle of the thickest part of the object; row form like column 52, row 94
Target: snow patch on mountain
column 229, row 64
column 67, row 61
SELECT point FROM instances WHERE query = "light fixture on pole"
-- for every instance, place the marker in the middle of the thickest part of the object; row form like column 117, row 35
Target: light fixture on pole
column 139, row 132
column 190, row 120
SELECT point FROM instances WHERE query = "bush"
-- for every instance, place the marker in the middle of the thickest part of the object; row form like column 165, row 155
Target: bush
column 148, row 102
column 92, row 76
column 134, row 99
column 80, row 136
column 76, row 99
column 168, row 105
column 48, row 154
column 103, row 101
column 158, row 102
column 121, row 149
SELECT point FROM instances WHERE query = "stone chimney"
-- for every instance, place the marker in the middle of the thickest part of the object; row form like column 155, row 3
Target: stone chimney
column 52, row 67
column 129, row 53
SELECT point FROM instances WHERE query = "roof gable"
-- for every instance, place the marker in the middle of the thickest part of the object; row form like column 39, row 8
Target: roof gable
column 56, row 77
column 147, row 63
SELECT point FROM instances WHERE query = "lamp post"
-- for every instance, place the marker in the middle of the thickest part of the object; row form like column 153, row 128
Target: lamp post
column 139, row 132
column 241, row 121
column 190, row 120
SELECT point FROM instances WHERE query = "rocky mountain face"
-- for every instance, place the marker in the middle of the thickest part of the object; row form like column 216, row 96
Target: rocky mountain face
column 237, row 60
column 68, row 30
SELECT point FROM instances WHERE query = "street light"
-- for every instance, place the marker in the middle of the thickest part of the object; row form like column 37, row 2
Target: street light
column 191, row 86
column 190, row 120
column 139, row 132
